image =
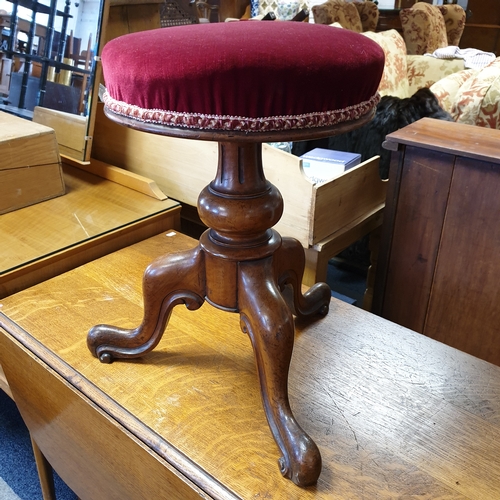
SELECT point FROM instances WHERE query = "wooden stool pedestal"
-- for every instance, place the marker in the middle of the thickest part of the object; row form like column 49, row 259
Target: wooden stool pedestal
column 240, row 265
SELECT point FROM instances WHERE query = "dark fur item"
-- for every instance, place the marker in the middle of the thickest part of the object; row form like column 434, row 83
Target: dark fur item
column 393, row 113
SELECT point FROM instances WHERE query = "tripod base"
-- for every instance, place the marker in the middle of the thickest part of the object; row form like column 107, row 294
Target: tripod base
column 255, row 273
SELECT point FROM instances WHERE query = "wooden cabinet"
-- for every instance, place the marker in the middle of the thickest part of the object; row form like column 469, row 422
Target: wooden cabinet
column 439, row 265
column 482, row 27
column 389, row 19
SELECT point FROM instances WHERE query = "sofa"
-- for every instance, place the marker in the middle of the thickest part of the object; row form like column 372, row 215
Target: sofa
column 404, row 74
column 472, row 96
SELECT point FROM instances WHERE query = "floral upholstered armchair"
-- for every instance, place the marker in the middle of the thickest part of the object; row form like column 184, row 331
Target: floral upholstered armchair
column 358, row 16
column 429, row 27
column 404, row 74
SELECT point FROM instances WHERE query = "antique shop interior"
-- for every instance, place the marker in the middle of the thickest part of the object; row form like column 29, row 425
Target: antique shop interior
column 249, row 249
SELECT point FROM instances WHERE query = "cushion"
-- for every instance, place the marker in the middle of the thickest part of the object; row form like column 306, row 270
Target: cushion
column 394, row 78
column 221, row 76
column 477, row 100
column 369, row 14
column 454, row 20
column 262, row 7
column 424, row 71
column 447, row 88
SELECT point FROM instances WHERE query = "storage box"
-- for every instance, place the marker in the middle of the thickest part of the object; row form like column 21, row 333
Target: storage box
column 30, row 165
column 321, row 164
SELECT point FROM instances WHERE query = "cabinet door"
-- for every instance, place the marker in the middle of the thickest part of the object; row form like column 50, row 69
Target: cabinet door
column 464, row 309
column 418, row 221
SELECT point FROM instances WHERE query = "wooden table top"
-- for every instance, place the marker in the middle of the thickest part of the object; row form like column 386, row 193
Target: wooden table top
column 91, row 207
column 469, row 141
column 395, row 414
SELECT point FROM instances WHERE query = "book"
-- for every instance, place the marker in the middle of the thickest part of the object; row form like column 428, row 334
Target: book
column 321, row 164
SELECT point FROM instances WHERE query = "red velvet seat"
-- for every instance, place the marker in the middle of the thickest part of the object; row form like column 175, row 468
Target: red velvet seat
column 248, row 76
column 240, row 83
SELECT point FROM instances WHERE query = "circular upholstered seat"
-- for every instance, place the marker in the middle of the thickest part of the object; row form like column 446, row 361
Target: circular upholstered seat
column 243, row 77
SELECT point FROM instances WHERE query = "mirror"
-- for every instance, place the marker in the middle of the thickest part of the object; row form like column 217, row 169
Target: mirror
column 48, row 66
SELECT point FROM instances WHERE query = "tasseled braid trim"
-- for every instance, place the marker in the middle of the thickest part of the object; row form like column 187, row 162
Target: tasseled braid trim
column 202, row 121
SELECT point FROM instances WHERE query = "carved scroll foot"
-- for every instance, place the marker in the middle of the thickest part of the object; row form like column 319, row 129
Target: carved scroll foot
column 269, row 322
column 289, row 265
column 171, row 280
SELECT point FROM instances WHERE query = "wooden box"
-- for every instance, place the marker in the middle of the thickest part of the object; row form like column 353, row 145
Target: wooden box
column 30, row 166
column 325, row 217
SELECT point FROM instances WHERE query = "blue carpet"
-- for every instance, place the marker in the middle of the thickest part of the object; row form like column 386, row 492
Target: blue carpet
column 347, row 284
column 17, row 464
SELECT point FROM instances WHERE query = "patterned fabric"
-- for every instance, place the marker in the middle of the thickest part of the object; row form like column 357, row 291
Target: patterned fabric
column 424, row 29
column 473, row 58
column 454, row 19
column 472, row 96
column 447, row 88
column 369, row 14
column 169, row 78
column 424, row 71
column 262, row 7
column 394, row 78
column 201, row 121
column 338, row 11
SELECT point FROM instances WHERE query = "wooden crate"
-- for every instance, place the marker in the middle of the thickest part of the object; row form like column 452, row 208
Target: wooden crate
column 30, row 166
column 325, row 218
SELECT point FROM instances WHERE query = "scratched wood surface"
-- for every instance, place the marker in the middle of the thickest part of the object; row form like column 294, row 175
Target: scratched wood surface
column 94, row 217
column 91, row 207
column 395, row 414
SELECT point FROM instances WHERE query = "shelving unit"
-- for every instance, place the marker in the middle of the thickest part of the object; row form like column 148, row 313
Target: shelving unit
column 53, row 75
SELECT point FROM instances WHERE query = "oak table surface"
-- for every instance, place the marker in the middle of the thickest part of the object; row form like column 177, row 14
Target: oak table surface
column 395, row 414
column 91, row 207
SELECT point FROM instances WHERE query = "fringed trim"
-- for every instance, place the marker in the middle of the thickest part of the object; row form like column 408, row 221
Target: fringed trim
column 202, row 121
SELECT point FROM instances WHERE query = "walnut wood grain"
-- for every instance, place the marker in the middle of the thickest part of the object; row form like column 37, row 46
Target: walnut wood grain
column 241, row 265
column 417, row 214
column 451, row 138
column 394, row 413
